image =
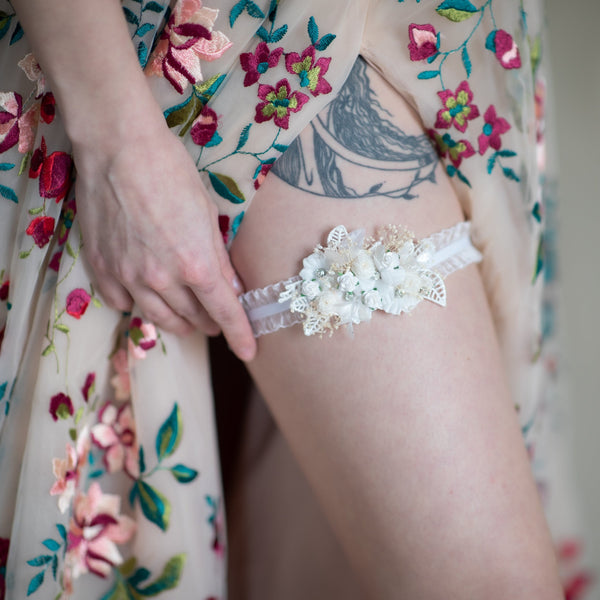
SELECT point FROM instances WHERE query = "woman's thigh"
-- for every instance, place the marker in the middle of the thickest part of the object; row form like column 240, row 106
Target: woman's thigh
column 406, row 431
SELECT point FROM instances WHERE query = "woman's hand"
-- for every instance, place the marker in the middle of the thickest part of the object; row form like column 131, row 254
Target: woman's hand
column 151, row 236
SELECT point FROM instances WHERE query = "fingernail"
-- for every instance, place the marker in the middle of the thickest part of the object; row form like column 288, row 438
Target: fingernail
column 237, row 284
column 246, row 354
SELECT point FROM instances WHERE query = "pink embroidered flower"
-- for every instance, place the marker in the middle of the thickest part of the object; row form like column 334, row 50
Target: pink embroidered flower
column 61, row 406
column 54, row 172
column 88, row 386
column 32, row 69
column 204, row 127
column 311, row 73
column 278, row 103
column 454, row 150
column 94, row 533
column 77, row 302
column 493, row 128
column 54, row 263
column 142, row 337
column 423, row 41
column 11, row 105
column 258, row 62
column 41, row 230
column 505, row 48
column 186, row 41
column 27, row 127
column 67, row 470
column 458, row 109
column 262, row 174
column 577, row 581
column 48, row 108
column 115, row 433
column 4, row 287
column 120, row 382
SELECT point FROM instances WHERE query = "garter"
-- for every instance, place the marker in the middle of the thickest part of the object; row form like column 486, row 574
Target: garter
column 351, row 277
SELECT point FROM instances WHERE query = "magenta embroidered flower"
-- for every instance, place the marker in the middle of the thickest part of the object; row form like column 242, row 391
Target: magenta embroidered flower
column 185, row 42
column 11, row 106
column 4, row 287
column 204, row 127
column 77, row 302
column 32, row 70
column 48, row 108
column 115, row 434
column 262, row 174
column 258, row 62
column 54, row 263
column 67, row 470
column 278, row 103
column 54, row 172
column 423, row 41
column 501, row 43
column 4, row 545
column 88, row 386
column 456, row 151
column 41, row 230
column 311, row 73
column 458, row 109
column 94, row 533
column 493, row 128
column 61, row 406
column 120, row 381
column 142, row 337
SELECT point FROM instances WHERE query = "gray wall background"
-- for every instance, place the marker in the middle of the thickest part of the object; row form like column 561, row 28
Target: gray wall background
column 573, row 40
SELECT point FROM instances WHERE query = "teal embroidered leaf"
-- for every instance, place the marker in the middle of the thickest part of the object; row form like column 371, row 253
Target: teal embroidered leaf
column 3, row 389
column 462, row 177
column 54, row 567
column 466, row 61
column 539, row 260
column 130, row 16
column 491, row 163
column 490, row 41
column 510, row 174
column 142, row 52
column 168, row 579
column 51, row 544
column 17, row 34
column 236, row 11
column 325, row 41
column 506, row 153
column 9, row 194
column 169, row 434
column 243, row 137
column 6, row 166
column 427, row 74
column 140, row 575
column 141, row 460
column 536, row 212
column 144, row 29
column 119, row 592
column 278, row 34
column 254, row 10
column 62, row 531
column 184, row 474
column 313, row 30
column 263, row 34
column 226, row 187
column 40, row 561
column 35, row 583
column 154, row 7
column 456, row 10
column 5, row 20
column 215, row 140
column 280, row 147
column 155, row 506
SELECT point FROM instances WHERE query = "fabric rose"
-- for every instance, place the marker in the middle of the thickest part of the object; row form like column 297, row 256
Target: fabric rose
column 53, row 170
column 310, row 289
column 11, row 105
column 423, row 41
column 41, row 230
column 77, row 302
column 347, row 282
column 501, row 43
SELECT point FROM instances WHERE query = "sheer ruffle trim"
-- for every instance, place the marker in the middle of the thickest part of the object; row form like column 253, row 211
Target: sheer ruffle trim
column 344, row 282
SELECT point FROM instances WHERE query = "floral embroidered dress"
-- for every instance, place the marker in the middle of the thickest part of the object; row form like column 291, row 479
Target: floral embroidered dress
column 101, row 497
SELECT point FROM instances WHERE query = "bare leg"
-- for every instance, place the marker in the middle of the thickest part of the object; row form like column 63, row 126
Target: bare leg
column 407, row 432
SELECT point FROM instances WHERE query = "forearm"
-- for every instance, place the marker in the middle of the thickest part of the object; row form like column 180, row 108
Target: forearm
column 87, row 56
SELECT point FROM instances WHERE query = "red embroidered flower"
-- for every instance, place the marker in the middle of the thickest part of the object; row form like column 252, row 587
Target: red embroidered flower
column 11, row 105
column 224, row 227
column 204, row 127
column 454, row 150
column 501, row 43
column 88, row 386
column 61, row 406
column 48, row 108
column 423, row 41
column 41, row 230
column 493, row 128
column 258, row 62
column 77, row 302
column 54, row 263
column 4, row 290
column 458, row 109
column 311, row 73
column 279, row 102
column 54, row 172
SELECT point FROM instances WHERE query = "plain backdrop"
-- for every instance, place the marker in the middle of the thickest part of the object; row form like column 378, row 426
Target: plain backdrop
column 573, row 43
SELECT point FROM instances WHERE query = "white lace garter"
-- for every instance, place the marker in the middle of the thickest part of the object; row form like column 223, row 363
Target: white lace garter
column 344, row 282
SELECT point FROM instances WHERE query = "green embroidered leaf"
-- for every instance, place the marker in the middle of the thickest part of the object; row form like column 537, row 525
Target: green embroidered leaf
column 155, row 506
column 131, row 16
column 73, row 434
column 226, row 187
column 4, row 23
column 183, row 474
column 25, row 253
column 119, row 592
column 70, row 250
column 206, row 90
column 243, row 137
column 184, row 114
column 62, row 328
column 313, row 30
column 168, row 579
column 9, row 194
column 6, row 166
column 36, row 211
column 127, row 568
column 236, row 11
column 48, row 349
column 427, row 74
column 466, row 61
column 35, row 583
column 17, row 34
column 40, row 561
column 78, row 415
column 536, row 53
column 169, row 434
column 96, row 302
column 456, row 10
column 154, row 7
column 24, row 162
column 144, row 29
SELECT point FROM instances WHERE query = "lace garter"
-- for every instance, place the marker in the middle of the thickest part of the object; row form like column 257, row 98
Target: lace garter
column 344, row 282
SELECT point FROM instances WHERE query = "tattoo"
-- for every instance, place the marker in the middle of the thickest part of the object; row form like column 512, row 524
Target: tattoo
column 353, row 130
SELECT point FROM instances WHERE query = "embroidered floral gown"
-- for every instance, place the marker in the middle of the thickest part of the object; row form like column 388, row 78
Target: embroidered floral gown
column 103, row 497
